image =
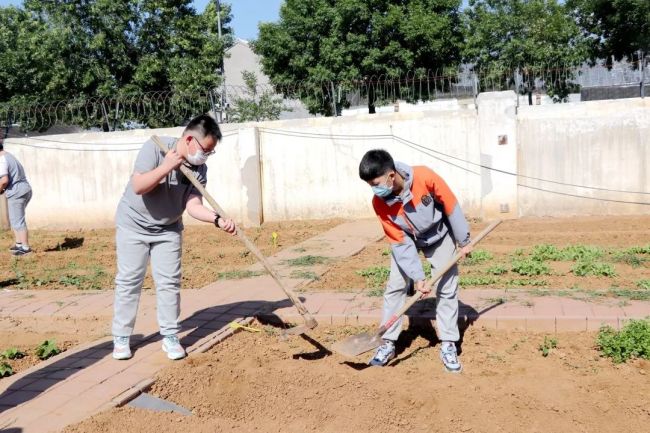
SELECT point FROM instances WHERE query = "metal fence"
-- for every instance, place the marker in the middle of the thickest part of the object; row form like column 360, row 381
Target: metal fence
column 308, row 98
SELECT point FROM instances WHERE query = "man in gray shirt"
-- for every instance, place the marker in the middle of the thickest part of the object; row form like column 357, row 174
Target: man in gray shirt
column 149, row 224
column 13, row 183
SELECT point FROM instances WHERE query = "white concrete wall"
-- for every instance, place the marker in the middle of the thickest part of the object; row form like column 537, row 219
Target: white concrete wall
column 79, row 185
column 308, row 169
column 603, row 144
column 317, row 177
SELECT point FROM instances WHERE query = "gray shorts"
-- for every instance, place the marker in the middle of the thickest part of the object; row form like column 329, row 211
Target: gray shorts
column 16, row 207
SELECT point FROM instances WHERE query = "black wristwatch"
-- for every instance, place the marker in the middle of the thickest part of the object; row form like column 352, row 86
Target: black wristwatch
column 216, row 220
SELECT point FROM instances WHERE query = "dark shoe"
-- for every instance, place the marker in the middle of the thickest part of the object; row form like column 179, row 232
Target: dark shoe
column 16, row 247
column 21, row 251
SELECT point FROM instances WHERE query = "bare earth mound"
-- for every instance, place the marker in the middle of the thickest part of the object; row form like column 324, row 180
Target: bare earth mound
column 254, row 382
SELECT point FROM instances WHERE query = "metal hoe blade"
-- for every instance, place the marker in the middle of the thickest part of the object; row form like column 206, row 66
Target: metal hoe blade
column 357, row 344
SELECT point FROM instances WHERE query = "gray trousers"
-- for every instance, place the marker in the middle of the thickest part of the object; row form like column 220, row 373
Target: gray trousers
column 133, row 252
column 446, row 292
column 16, row 209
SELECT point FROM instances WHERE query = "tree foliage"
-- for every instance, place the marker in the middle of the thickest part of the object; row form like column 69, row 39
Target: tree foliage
column 617, row 28
column 316, row 42
column 63, row 49
column 535, row 36
column 256, row 104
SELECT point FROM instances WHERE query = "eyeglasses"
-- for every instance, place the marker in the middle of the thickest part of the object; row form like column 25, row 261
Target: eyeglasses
column 203, row 148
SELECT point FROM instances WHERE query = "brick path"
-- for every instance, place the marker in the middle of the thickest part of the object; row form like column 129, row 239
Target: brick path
column 83, row 381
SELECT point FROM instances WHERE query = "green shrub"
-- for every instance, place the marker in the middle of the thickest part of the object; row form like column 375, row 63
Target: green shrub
column 585, row 268
column 633, row 341
column 376, row 276
column 12, row 353
column 547, row 345
column 530, row 267
column 477, row 256
column 581, row 252
column 643, row 284
column 496, row 270
column 477, row 281
column 307, row 261
column 47, row 349
column 5, row 369
column 546, row 252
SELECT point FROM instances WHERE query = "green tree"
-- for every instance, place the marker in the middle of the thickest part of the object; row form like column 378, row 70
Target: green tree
column 255, row 105
column 537, row 38
column 316, row 42
column 616, row 28
column 75, row 50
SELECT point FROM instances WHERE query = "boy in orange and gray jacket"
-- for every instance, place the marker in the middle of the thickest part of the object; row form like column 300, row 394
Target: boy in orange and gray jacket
column 418, row 212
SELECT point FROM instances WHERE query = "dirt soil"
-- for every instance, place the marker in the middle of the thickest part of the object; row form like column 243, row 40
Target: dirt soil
column 610, row 234
column 254, row 382
column 25, row 334
column 86, row 259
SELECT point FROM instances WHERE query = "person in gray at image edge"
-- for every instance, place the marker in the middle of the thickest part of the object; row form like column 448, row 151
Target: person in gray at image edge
column 14, row 184
column 149, row 225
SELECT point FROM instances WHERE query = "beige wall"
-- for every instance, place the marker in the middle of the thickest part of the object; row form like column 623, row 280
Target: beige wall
column 604, row 144
column 308, row 169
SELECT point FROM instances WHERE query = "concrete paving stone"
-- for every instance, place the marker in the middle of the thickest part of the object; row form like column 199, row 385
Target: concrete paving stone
column 541, row 324
column 637, row 309
column 40, row 385
column 576, row 308
column 511, row 323
column 14, row 398
column 215, row 324
column 595, row 323
column 22, row 383
column 546, row 306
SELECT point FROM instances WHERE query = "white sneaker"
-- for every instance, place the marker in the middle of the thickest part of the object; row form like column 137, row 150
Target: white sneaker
column 173, row 347
column 121, row 348
column 449, row 357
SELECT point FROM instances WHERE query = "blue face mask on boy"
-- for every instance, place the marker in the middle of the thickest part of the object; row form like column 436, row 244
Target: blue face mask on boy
column 382, row 190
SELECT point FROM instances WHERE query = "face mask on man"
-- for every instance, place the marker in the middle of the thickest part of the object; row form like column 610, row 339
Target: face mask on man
column 199, row 157
column 382, row 190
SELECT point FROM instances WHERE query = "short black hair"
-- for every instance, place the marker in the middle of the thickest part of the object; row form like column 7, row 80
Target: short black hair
column 375, row 163
column 204, row 126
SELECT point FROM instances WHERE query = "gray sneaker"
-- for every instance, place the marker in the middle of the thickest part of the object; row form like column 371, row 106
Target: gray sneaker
column 16, row 247
column 121, row 348
column 450, row 357
column 172, row 346
column 384, row 353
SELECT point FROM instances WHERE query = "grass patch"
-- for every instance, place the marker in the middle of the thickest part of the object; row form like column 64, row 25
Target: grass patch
column 523, row 282
column 585, row 268
column 12, row 353
column 477, row 281
column 375, row 292
column 547, row 346
column 477, row 256
column 305, row 275
column 643, row 284
column 632, row 295
column 376, row 276
column 5, row 369
column 530, row 267
column 545, row 252
column 47, row 349
column 628, row 258
column 238, row 275
column 307, row 260
column 496, row 270
column 633, row 341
